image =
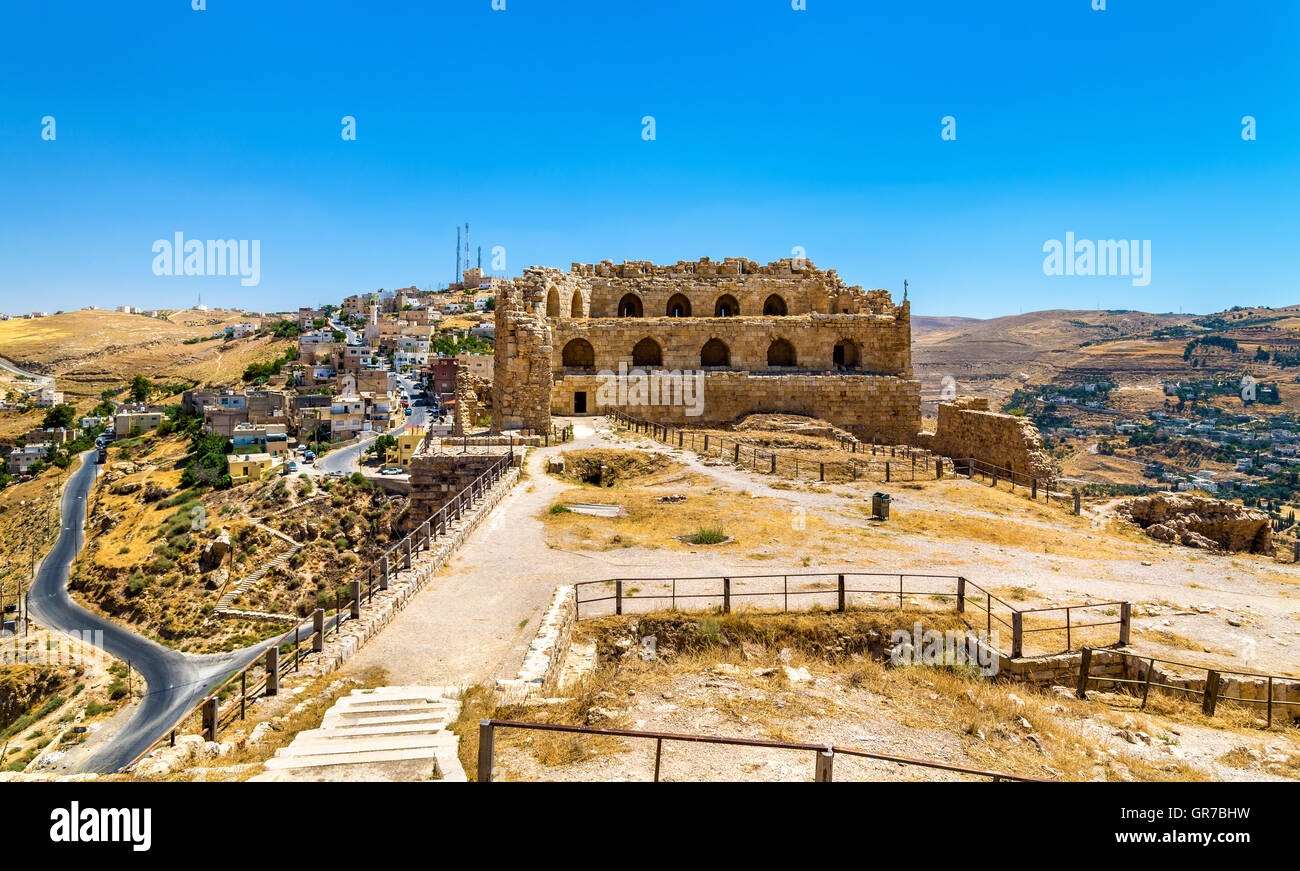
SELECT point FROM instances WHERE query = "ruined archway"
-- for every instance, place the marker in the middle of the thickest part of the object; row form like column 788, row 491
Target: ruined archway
column 715, row 354
column 727, row 306
column 630, row 306
column 679, row 306
column 578, row 354
column 846, row 354
column 575, row 305
column 780, row 353
column 775, row 306
column 552, row 303
column 647, row 353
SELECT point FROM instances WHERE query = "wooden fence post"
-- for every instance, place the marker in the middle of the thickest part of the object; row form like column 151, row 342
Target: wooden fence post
column 354, row 590
column 618, row 597
column 1211, row 693
column 1017, row 633
column 318, row 630
column 726, row 595
column 485, row 738
column 1078, row 500
column 1085, row 666
column 840, row 583
column 1125, row 622
column 938, row 468
column 825, row 766
column 210, row 718
column 273, row 670
column 961, row 595
column 886, row 471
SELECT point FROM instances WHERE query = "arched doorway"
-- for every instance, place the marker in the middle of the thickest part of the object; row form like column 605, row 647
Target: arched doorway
column 679, row 306
column 647, row 353
column 715, row 354
column 846, row 354
column 629, row 306
column 578, row 354
column 774, row 306
column 575, row 305
column 552, row 303
column 780, row 353
column 727, row 306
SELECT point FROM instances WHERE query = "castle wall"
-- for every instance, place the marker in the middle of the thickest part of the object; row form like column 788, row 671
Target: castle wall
column 883, row 342
column 872, row 407
column 967, row 428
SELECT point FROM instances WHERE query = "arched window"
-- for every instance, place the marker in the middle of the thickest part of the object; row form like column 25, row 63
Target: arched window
column 774, row 305
column 575, row 305
column 552, row 303
column 846, row 354
column 578, row 354
column 780, row 353
column 679, row 306
column 715, row 353
column 726, row 307
column 647, row 353
column 629, row 306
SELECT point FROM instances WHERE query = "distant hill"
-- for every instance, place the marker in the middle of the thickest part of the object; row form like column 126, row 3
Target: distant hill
column 90, row 350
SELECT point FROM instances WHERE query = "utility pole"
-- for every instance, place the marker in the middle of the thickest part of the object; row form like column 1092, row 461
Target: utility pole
column 458, row 253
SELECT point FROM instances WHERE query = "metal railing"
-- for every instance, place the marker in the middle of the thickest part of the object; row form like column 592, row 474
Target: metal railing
column 716, row 591
column 972, row 468
column 823, row 769
column 1210, row 695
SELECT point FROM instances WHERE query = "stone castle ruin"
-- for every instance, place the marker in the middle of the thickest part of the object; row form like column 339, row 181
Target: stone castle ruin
column 784, row 338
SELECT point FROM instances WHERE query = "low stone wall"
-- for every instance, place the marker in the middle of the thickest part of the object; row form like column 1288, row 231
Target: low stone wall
column 1063, row 670
column 968, row 429
column 437, row 478
column 881, row 408
column 548, row 651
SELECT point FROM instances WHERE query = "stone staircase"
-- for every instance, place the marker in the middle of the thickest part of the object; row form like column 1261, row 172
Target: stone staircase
column 227, row 599
column 390, row 733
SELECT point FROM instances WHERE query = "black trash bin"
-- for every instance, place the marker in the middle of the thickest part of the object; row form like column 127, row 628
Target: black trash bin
column 880, row 506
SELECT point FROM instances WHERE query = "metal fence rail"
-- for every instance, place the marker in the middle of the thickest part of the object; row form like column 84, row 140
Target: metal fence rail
column 1210, row 696
column 900, row 462
column 720, row 591
column 823, row 770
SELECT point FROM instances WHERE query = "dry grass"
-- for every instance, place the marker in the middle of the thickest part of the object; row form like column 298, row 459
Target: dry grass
column 649, row 523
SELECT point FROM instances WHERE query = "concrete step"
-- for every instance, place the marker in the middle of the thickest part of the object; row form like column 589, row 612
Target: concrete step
column 383, row 734
column 350, row 745
column 427, row 727
column 333, row 720
column 276, row 763
column 381, row 709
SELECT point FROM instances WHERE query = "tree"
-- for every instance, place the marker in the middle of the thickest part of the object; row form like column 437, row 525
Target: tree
column 60, row 417
column 140, row 388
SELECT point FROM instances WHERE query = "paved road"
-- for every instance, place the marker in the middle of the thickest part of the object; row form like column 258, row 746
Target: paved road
column 176, row 681
column 41, row 380
column 340, row 459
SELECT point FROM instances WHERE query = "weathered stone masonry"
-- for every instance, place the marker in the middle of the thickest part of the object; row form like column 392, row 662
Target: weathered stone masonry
column 782, row 337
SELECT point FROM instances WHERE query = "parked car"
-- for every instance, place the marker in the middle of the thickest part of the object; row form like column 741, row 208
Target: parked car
column 293, row 467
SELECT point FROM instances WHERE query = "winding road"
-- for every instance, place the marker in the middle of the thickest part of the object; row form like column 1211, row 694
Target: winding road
column 176, row 681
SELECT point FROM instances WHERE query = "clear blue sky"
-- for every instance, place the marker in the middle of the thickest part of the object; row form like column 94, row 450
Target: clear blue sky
column 775, row 129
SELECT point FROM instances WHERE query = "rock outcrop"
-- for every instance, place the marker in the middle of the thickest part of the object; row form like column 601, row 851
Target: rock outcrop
column 1199, row 521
